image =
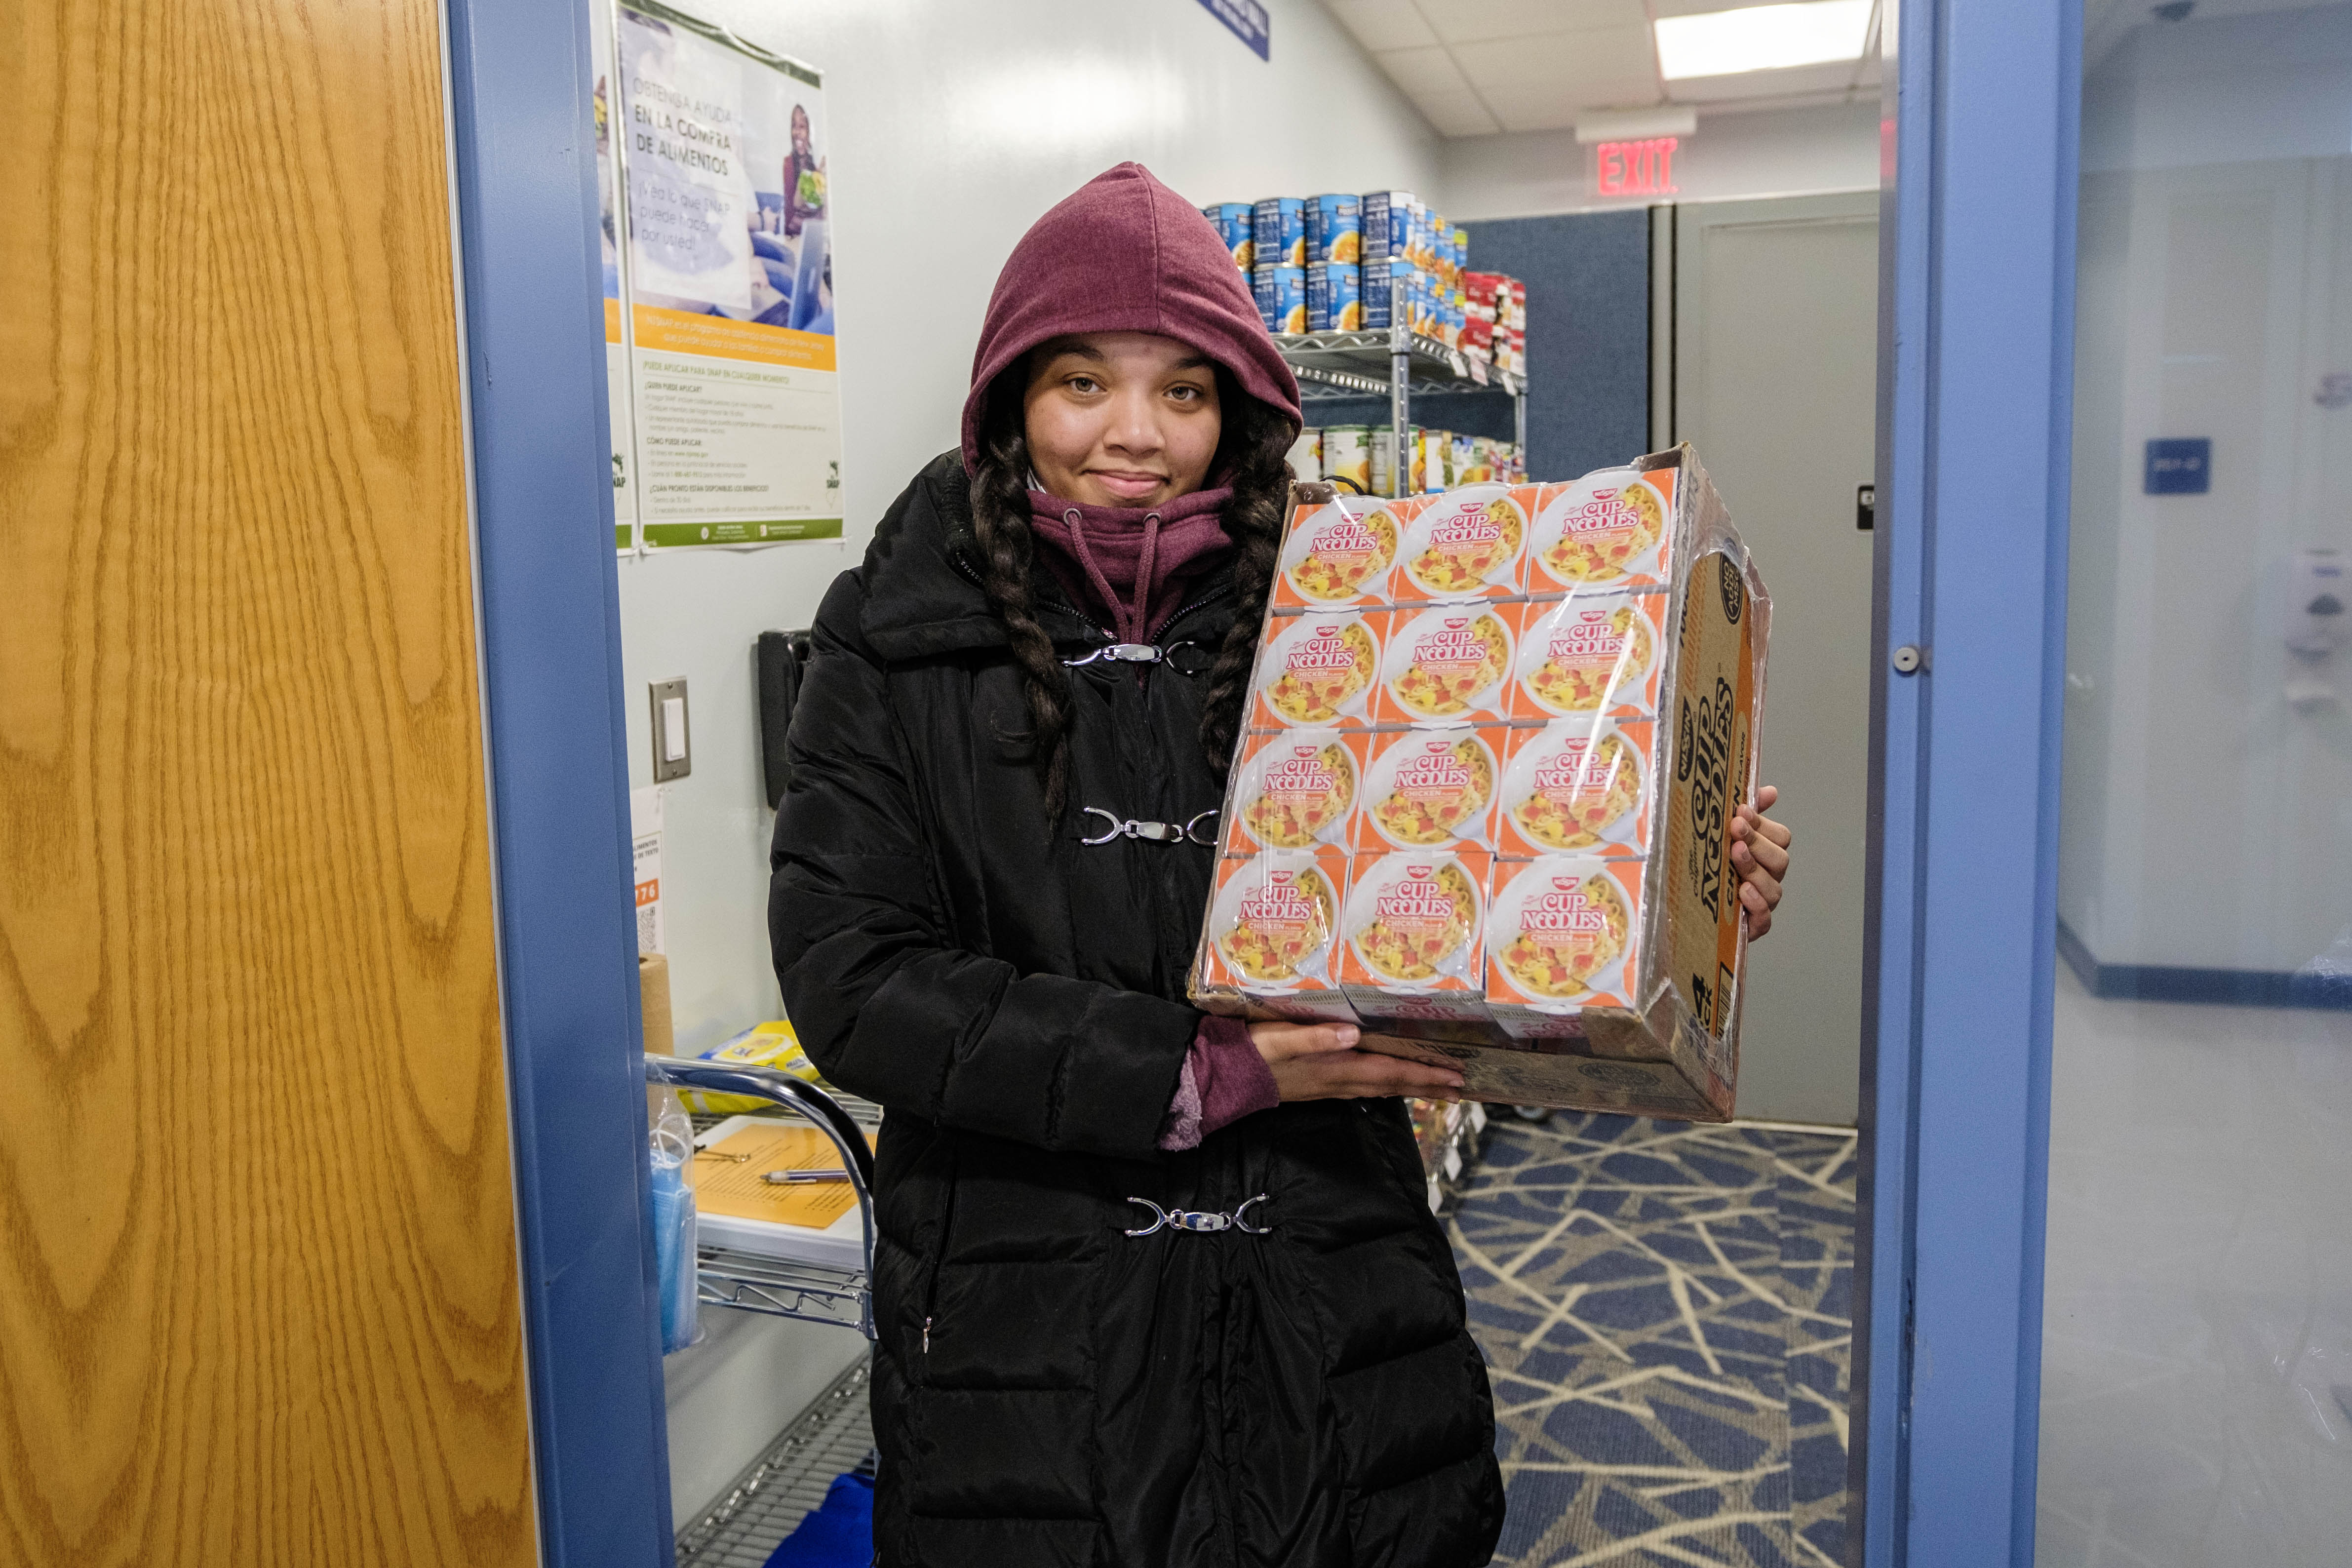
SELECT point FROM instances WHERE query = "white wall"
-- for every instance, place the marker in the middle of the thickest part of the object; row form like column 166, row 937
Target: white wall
column 1761, row 152
column 952, row 126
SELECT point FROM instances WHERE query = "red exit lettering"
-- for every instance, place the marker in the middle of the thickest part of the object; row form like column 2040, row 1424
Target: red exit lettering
column 1645, row 168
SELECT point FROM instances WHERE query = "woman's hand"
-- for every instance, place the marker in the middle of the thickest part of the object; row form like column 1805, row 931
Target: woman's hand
column 1320, row 1061
column 1760, row 852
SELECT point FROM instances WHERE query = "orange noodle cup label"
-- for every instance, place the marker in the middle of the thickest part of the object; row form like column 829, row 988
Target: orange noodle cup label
column 1267, row 946
column 1336, row 553
column 1448, row 662
column 1431, row 787
column 1593, row 651
column 1294, row 789
column 1317, row 668
column 1463, row 545
column 1577, row 785
column 1413, row 921
column 1612, row 528
column 1562, row 935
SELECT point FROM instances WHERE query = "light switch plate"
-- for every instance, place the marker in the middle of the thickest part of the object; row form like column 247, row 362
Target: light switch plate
column 660, row 693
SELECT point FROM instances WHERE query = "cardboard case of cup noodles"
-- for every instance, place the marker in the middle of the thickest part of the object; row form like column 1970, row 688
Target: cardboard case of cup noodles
column 1497, row 737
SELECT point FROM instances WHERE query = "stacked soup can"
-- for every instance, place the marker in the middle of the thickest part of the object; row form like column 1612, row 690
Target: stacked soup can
column 1327, row 263
column 1482, row 804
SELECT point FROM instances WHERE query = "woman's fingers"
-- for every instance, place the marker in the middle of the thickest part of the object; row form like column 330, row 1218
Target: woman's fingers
column 1758, row 908
column 1766, row 796
column 1360, row 1074
column 1283, row 1042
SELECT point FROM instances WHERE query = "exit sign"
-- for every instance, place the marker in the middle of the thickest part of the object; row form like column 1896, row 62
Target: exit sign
column 1644, row 168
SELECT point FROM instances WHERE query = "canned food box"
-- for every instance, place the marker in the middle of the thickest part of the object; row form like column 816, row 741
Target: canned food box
column 1376, row 291
column 1335, row 298
column 1485, row 291
column 1611, row 527
column 1305, row 455
column 1383, row 460
column 1411, row 949
column 1466, row 545
column 1388, row 224
column 1435, row 464
column 1335, row 230
column 1565, row 933
column 1279, row 224
column 1430, row 787
column 1282, row 299
column 1583, row 783
column 1596, row 650
column 1466, row 458
column 1316, row 667
column 1460, row 251
column 1449, row 661
column 1236, row 224
column 1347, row 455
column 1337, row 548
column 1267, row 945
column 1294, row 789
column 1445, row 261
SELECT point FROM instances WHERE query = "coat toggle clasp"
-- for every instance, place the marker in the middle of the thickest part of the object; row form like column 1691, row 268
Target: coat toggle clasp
column 1199, row 1221
column 1192, row 832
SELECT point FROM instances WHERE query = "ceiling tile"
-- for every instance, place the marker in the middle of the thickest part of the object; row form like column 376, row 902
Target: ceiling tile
column 1439, row 90
column 1541, row 83
column 1835, row 75
column 1382, row 23
column 1476, row 21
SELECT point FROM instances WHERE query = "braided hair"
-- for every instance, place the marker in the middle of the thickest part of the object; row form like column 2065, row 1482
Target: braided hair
column 1252, row 450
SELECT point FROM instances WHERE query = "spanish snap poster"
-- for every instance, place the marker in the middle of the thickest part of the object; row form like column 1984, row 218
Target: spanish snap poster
column 616, row 353
column 729, row 281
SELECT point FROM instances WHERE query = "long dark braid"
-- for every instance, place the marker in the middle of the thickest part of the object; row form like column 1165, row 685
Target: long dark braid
column 1251, row 455
column 1000, row 519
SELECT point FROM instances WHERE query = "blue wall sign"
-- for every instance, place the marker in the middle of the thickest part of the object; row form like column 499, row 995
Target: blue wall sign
column 1247, row 19
column 2179, row 466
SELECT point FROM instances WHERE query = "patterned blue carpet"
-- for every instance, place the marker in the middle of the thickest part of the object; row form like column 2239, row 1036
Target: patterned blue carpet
column 1665, row 1312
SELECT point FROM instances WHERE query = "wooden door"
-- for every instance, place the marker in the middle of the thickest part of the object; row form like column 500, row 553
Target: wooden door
column 258, row 1298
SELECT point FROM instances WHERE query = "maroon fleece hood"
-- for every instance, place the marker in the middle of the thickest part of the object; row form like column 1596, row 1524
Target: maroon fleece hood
column 1125, row 254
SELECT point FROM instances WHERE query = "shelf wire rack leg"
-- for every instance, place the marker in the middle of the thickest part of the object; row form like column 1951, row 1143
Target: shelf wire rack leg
column 1399, row 385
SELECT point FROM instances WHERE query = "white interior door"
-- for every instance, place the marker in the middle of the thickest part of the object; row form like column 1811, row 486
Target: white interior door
column 1772, row 372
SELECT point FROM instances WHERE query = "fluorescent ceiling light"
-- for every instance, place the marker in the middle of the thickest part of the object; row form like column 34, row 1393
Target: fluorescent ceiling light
column 1762, row 37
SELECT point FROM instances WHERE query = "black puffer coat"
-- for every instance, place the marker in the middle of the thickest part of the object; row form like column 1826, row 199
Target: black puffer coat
column 1048, row 1390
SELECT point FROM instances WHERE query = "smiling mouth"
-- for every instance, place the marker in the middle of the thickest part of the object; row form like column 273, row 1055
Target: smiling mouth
column 1128, row 481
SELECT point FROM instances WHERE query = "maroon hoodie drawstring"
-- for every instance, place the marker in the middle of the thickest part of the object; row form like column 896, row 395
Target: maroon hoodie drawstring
column 1127, row 618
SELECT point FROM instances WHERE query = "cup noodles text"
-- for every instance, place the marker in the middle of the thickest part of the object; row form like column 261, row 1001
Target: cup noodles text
column 1611, row 528
column 1462, row 544
column 1409, row 955
column 1589, row 653
column 1316, row 668
column 1338, row 552
column 1267, row 949
column 1431, row 787
column 1577, row 785
column 1450, row 662
column 1294, row 789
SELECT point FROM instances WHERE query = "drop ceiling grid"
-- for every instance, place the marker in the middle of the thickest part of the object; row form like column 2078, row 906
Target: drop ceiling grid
column 1476, row 69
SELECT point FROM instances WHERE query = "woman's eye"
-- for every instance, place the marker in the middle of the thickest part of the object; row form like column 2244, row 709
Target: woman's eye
column 1084, row 384
column 1185, row 393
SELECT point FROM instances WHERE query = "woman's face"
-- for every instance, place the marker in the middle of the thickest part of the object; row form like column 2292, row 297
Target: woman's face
column 1121, row 418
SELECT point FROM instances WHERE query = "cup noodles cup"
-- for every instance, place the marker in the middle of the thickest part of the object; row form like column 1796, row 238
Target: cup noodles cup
column 1450, row 661
column 1267, row 949
column 1611, row 528
column 1338, row 552
column 1294, row 789
column 1318, row 668
column 1591, row 652
column 1430, row 787
column 1577, row 785
column 1561, row 936
column 1463, row 545
column 1411, row 955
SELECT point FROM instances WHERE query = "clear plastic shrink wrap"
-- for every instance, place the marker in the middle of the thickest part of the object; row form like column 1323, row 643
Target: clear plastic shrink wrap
column 1483, row 800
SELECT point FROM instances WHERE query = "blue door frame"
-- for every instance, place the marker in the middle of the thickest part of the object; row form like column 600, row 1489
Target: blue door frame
column 547, row 608
column 1975, row 368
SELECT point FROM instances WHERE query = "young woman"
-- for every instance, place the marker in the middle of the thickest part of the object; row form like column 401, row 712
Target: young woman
column 989, row 876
